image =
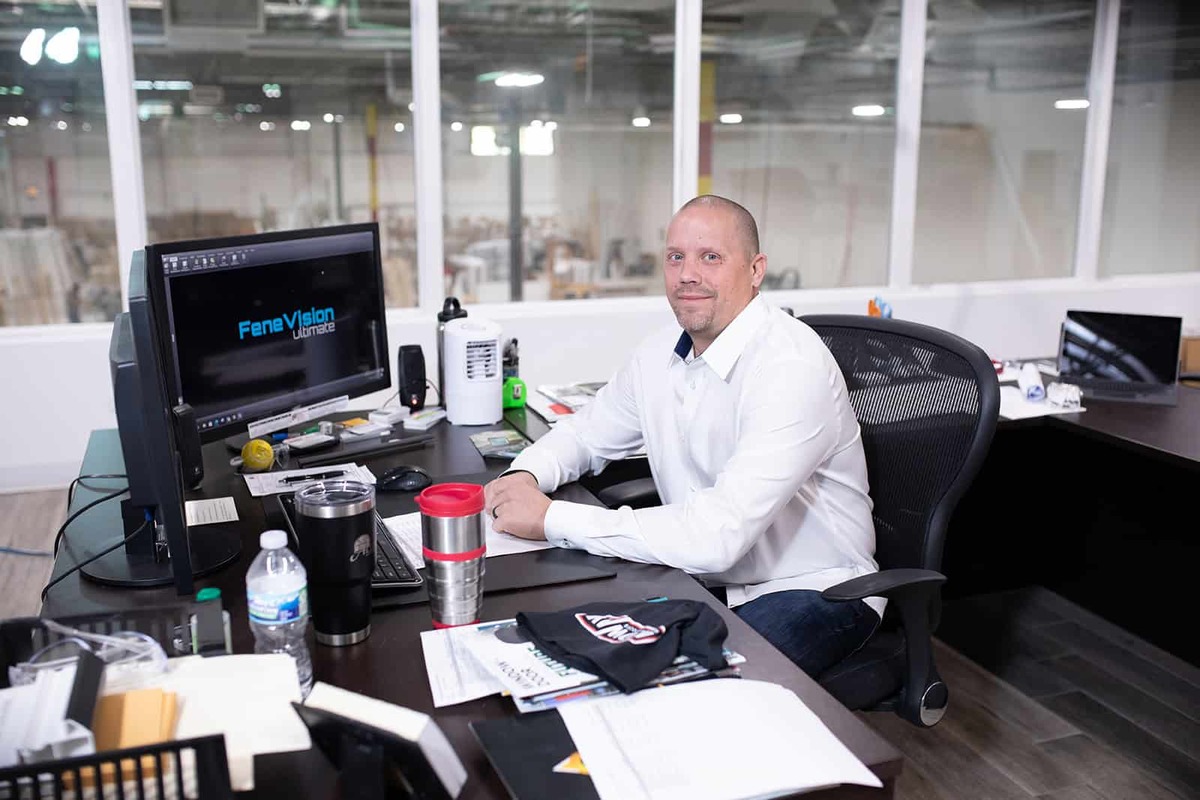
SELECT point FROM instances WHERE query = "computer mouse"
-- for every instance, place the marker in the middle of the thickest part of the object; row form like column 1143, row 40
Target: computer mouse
column 404, row 478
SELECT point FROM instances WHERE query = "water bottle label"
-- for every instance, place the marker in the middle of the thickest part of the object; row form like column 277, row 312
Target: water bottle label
column 276, row 608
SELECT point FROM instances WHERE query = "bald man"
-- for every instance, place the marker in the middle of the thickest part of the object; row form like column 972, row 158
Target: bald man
column 752, row 443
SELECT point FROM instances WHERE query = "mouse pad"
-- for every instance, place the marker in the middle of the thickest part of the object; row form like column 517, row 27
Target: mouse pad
column 505, row 573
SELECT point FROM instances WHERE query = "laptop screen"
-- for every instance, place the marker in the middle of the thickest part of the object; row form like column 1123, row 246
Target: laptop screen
column 1134, row 348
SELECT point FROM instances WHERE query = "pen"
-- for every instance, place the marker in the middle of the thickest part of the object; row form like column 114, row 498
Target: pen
column 315, row 477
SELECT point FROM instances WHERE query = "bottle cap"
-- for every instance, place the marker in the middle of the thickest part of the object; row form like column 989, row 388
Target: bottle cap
column 272, row 540
column 211, row 593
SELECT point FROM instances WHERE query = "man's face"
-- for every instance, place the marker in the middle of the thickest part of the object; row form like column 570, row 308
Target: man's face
column 710, row 276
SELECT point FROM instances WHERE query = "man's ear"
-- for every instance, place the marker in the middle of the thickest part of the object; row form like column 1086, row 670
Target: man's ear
column 758, row 268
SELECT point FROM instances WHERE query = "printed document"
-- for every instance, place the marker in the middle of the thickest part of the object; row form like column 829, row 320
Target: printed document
column 406, row 532
column 455, row 676
column 287, row 481
column 711, row 740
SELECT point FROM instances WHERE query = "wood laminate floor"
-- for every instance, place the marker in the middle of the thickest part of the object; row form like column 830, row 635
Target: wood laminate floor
column 1047, row 700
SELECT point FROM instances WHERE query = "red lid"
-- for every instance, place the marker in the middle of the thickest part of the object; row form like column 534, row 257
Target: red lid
column 451, row 500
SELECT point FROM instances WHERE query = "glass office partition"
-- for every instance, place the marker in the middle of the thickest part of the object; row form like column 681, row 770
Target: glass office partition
column 557, row 148
column 1004, row 112
column 290, row 116
column 1152, row 189
column 798, row 125
column 58, row 248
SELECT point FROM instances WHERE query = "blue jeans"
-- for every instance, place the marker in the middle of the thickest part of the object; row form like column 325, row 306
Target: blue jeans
column 813, row 632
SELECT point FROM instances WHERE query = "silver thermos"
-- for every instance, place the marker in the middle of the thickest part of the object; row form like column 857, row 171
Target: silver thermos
column 450, row 310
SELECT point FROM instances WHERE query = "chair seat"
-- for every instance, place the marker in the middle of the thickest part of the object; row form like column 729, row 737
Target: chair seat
column 873, row 674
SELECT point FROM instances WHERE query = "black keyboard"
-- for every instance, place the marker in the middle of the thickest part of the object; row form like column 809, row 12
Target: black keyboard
column 392, row 569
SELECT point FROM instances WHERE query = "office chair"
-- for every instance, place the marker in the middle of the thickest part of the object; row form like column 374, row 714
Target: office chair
column 927, row 403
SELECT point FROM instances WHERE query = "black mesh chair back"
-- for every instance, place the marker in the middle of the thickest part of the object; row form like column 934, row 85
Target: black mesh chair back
column 927, row 421
column 927, row 403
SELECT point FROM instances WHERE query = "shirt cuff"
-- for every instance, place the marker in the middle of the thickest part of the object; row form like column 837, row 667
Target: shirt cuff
column 542, row 469
column 570, row 525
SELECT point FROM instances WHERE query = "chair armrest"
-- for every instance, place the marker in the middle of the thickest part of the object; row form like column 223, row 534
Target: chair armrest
column 638, row 493
column 914, row 593
column 883, row 584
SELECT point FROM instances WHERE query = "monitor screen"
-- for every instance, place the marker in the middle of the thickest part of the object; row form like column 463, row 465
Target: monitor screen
column 257, row 325
column 1120, row 347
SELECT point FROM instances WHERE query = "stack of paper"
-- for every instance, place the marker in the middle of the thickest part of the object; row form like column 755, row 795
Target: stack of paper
column 286, row 481
column 406, row 533
column 713, row 740
column 475, row 661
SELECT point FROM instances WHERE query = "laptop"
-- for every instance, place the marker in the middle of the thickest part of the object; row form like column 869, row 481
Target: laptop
column 1125, row 358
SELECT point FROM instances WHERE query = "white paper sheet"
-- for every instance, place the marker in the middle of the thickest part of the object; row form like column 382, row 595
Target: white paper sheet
column 208, row 512
column 406, row 532
column 455, row 676
column 711, row 740
column 1013, row 405
column 262, row 484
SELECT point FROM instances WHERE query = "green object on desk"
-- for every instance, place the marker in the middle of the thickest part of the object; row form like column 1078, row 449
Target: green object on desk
column 514, row 393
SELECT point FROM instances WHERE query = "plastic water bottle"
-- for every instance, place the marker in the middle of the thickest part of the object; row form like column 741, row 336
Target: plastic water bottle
column 277, row 595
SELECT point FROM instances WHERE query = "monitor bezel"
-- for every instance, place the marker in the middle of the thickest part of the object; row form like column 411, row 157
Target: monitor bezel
column 157, row 288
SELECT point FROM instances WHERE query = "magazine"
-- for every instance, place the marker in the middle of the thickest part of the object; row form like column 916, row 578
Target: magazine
column 499, row 444
column 572, row 395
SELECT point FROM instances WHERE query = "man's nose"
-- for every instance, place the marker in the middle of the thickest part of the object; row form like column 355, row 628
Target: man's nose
column 689, row 272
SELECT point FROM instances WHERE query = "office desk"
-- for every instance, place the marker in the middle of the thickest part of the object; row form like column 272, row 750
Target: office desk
column 1099, row 507
column 390, row 664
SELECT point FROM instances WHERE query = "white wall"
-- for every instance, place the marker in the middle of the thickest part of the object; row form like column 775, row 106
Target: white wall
column 58, row 389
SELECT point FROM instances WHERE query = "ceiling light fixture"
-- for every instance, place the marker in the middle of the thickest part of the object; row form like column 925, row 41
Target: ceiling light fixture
column 456, row 126
column 870, row 110
column 1071, row 104
column 31, row 48
column 398, row 127
column 640, row 122
column 62, row 125
column 730, row 119
column 63, row 46
column 519, row 80
column 328, row 117
column 301, row 124
column 266, row 126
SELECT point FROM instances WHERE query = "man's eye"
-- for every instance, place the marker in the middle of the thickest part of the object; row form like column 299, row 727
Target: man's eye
column 711, row 257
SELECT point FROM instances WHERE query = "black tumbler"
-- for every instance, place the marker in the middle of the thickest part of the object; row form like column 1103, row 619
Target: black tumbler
column 335, row 528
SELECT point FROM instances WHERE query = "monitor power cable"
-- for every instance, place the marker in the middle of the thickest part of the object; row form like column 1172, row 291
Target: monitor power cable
column 46, row 589
column 62, row 531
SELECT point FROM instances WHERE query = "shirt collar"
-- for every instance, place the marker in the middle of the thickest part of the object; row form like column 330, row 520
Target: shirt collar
column 727, row 348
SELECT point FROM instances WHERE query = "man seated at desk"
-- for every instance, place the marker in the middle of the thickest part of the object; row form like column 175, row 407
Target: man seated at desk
column 752, row 442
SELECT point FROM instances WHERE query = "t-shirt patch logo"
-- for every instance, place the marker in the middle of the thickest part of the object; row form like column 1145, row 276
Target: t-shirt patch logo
column 620, row 629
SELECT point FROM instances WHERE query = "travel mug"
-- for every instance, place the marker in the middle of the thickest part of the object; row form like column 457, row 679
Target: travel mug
column 453, row 545
column 335, row 529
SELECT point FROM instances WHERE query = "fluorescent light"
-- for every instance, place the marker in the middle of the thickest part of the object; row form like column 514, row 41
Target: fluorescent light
column 154, row 108
column 730, row 119
column 62, row 125
column 339, row 119
column 273, row 90
column 18, row 122
column 519, row 80
column 533, row 141
column 398, row 127
column 411, row 106
column 328, row 117
column 537, row 123
column 162, row 86
column 266, row 126
column 870, row 110
column 31, row 48
column 301, row 124
column 63, row 46
column 456, row 126
column 1071, row 104
column 641, row 122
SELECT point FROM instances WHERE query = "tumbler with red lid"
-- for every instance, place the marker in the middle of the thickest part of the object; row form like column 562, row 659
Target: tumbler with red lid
column 453, row 545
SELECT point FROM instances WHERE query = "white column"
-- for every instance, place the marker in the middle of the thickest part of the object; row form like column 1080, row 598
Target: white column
column 910, row 83
column 686, row 125
column 1095, row 142
column 124, row 137
column 427, row 152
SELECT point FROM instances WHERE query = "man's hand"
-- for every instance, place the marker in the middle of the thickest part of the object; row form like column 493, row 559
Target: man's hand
column 517, row 505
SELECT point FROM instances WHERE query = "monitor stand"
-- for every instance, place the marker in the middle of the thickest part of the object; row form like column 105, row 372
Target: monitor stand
column 211, row 549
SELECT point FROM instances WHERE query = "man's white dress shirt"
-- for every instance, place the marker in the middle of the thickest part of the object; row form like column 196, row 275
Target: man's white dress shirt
column 754, row 449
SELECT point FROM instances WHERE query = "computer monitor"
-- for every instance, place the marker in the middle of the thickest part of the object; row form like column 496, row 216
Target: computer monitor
column 161, row 552
column 257, row 325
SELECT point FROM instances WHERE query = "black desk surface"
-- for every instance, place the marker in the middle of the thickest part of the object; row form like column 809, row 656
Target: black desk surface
column 390, row 664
